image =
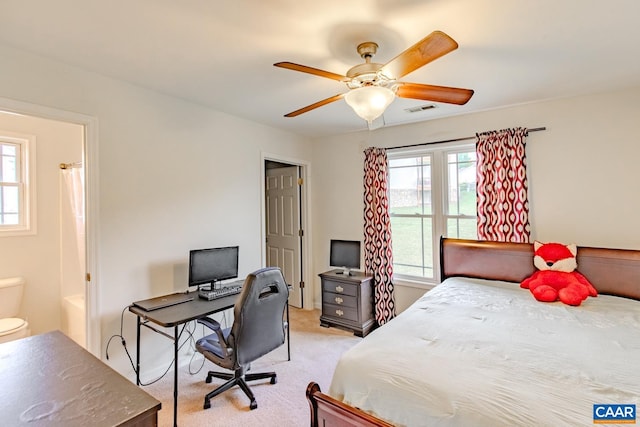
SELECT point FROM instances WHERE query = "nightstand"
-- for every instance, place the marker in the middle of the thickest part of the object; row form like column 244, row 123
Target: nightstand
column 347, row 301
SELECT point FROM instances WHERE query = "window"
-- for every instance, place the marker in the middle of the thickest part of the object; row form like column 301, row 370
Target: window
column 431, row 193
column 15, row 193
column 10, row 185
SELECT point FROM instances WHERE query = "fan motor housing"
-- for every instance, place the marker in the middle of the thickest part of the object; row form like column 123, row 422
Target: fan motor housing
column 366, row 68
column 367, row 75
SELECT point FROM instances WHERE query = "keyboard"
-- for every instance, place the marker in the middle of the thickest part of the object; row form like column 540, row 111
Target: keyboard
column 221, row 292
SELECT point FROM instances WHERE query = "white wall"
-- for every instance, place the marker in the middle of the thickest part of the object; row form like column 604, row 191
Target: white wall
column 583, row 171
column 172, row 176
column 37, row 257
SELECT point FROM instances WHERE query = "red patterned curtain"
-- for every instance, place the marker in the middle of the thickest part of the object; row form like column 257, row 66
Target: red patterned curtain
column 378, row 257
column 503, row 205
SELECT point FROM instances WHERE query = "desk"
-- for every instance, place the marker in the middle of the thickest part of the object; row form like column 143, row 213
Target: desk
column 177, row 315
column 49, row 380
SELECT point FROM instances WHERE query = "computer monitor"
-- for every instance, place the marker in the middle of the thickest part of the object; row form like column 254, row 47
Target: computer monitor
column 210, row 266
column 345, row 254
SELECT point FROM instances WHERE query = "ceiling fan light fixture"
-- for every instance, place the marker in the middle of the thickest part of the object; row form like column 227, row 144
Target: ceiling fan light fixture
column 369, row 102
column 373, row 86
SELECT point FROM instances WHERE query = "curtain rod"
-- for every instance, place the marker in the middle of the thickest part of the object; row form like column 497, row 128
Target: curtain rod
column 453, row 140
column 70, row 165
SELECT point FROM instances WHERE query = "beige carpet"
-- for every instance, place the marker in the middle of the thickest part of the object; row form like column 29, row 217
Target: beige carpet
column 314, row 353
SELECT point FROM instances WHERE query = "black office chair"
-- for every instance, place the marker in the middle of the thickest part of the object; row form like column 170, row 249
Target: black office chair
column 258, row 328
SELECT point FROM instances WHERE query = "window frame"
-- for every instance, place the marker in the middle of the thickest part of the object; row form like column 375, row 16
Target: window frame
column 26, row 184
column 439, row 199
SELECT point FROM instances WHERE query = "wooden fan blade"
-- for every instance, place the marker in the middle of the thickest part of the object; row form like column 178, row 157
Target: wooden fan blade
column 449, row 95
column 426, row 50
column 311, row 70
column 314, row 106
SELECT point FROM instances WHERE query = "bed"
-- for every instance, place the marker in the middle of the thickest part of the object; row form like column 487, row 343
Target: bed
column 478, row 350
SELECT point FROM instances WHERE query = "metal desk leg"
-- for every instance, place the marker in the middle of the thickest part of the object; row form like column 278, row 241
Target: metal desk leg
column 138, row 351
column 175, row 376
column 288, row 335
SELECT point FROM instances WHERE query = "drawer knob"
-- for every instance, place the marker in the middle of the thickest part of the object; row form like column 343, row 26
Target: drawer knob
column 339, row 300
column 340, row 312
column 339, row 289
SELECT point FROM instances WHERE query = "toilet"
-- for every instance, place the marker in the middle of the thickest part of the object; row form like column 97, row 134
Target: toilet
column 11, row 327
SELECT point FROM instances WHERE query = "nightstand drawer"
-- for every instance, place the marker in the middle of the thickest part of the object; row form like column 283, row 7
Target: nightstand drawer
column 340, row 312
column 340, row 299
column 339, row 287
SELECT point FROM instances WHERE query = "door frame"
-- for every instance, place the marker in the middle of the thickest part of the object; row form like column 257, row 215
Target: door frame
column 305, row 219
column 90, row 154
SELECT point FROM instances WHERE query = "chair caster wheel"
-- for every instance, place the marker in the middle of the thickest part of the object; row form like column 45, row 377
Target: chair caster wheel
column 208, row 380
column 274, row 380
column 253, row 404
column 207, row 404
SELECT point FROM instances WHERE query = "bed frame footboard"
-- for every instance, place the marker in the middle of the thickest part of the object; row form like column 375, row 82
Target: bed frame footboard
column 327, row 411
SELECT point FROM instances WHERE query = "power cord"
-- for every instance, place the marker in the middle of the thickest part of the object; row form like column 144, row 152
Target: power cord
column 195, row 352
column 121, row 336
column 190, row 339
column 225, row 322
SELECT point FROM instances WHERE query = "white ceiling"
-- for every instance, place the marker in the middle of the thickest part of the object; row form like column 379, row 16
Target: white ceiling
column 220, row 53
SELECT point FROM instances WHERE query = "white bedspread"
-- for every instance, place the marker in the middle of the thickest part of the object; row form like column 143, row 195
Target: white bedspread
column 481, row 353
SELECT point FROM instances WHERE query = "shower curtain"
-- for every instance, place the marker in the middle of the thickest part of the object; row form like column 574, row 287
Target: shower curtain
column 72, row 244
column 74, row 184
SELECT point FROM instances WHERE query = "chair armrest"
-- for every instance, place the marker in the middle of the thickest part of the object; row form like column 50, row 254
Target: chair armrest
column 215, row 326
column 210, row 323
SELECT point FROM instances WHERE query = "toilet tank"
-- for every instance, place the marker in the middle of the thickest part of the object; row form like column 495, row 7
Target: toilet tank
column 10, row 296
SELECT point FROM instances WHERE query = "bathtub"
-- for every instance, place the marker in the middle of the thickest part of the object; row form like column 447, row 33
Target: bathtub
column 74, row 319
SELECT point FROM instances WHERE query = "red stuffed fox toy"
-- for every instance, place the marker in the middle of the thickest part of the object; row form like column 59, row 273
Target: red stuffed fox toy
column 556, row 278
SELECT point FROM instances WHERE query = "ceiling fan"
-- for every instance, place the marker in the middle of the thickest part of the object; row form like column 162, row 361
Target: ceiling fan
column 372, row 87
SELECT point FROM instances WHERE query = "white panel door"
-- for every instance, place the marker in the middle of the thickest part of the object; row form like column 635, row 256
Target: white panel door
column 283, row 225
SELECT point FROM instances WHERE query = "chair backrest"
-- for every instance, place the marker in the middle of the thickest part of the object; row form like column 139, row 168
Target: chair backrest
column 258, row 325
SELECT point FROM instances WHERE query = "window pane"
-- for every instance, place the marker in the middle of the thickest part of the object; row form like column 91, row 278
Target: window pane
column 462, row 228
column 425, row 187
column 11, row 219
column 427, row 247
column 461, row 190
column 12, row 186
column 408, row 161
column 412, row 246
column 410, row 186
column 10, row 200
column 8, row 165
column 452, row 191
column 407, row 240
column 8, row 149
column 403, row 195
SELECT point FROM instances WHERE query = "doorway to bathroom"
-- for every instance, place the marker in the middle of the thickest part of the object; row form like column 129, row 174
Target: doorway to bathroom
column 56, row 259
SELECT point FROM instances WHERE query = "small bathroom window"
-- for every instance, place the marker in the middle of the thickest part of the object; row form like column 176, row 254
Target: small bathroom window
column 17, row 194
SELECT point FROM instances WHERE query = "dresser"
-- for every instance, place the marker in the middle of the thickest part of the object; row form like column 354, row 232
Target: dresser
column 347, row 301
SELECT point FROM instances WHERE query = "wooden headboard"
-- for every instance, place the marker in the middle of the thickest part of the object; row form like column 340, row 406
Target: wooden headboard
column 611, row 271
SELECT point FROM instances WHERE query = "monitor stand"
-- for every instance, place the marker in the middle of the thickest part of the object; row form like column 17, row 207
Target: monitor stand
column 345, row 271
